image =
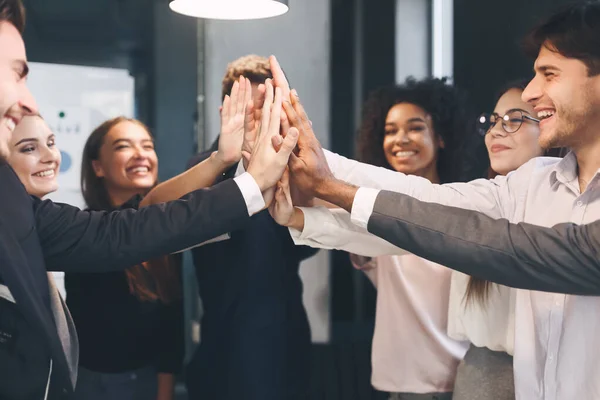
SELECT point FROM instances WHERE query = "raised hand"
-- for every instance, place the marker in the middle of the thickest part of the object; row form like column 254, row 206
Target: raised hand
column 309, row 168
column 271, row 152
column 232, row 122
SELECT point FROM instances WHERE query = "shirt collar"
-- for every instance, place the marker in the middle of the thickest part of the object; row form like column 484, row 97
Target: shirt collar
column 565, row 171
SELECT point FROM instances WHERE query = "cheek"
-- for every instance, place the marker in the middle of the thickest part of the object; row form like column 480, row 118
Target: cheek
column 428, row 147
column 23, row 166
column 388, row 143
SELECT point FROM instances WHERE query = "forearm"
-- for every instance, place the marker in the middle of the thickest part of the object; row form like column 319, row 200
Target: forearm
column 333, row 229
column 166, row 386
column 562, row 259
column 80, row 241
column 492, row 197
column 200, row 176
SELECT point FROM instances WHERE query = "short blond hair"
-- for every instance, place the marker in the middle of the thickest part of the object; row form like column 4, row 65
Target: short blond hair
column 256, row 68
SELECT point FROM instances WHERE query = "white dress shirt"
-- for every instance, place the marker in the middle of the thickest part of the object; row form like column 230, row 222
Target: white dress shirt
column 556, row 335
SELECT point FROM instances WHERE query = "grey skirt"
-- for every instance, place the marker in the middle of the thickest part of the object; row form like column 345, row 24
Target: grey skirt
column 485, row 375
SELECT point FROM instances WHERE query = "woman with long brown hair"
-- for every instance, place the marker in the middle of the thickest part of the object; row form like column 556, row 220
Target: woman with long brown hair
column 130, row 323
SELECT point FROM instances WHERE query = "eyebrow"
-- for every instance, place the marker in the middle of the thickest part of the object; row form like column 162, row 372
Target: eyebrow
column 416, row 119
column 545, row 68
column 129, row 141
column 517, row 109
column 26, row 140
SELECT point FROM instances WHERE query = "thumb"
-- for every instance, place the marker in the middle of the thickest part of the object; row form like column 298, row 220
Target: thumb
column 288, row 144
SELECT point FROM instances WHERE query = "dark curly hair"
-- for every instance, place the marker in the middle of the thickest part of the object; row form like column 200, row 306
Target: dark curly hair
column 450, row 115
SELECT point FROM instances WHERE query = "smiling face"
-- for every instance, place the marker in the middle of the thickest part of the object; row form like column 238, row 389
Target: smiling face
column 16, row 100
column 410, row 143
column 34, row 156
column 127, row 161
column 508, row 151
column 566, row 99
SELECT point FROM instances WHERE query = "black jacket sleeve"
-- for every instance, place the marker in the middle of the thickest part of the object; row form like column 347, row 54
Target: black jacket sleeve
column 86, row 241
column 562, row 259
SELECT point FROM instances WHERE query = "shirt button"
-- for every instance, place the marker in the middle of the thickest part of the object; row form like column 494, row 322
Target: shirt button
column 579, row 203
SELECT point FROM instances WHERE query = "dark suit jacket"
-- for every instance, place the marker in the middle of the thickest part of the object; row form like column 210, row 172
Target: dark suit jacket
column 256, row 339
column 37, row 235
column 562, row 259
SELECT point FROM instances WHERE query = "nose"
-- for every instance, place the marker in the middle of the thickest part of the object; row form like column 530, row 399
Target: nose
column 533, row 91
column 497, row 130
column 401, row 137
column 50, row 156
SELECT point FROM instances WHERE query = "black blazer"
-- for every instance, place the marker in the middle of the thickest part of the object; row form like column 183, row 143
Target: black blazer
column 37, row 235
column 256, row 340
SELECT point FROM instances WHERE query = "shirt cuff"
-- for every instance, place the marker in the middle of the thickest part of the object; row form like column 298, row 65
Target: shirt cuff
column 251, row 192
column 362, row 207
column 240, row 169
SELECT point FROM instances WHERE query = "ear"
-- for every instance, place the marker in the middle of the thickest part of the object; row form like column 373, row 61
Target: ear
column 441, row 143
column 98, row 168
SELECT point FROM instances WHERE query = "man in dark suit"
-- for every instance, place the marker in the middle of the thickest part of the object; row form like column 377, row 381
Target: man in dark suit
column 255, row 334
column 36, row 362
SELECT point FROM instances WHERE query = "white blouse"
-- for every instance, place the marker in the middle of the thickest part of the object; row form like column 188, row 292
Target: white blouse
column 412, row 352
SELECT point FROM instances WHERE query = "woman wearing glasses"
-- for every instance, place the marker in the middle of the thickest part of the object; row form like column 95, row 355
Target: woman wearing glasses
column 480, row 311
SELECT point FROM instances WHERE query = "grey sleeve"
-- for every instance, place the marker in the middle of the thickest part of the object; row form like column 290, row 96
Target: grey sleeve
column 563, row 259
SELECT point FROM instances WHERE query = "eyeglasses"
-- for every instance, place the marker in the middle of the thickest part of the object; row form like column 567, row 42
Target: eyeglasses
column 511, row 121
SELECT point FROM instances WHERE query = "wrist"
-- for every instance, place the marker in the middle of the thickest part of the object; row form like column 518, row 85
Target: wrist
column 325, row 187
column 219, row 162
column 297, row 220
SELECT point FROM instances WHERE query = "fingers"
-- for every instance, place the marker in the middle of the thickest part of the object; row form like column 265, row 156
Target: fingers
column 266, row 108
column 262, row 89
column 248, row 96
column 285, row 124
column 276, row 141
column 306, row 124
column 284, row 182
column 234, row 96
column 249, row 121
column 275, row 119
column 279, row 77
column 240, row 100
column 288, row 145
column 225, row 110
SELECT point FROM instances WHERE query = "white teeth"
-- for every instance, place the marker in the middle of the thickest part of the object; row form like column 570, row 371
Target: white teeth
column 139, row 169
column 545, row 114
column 46, row 173
column 405, row 153
column 10, row 124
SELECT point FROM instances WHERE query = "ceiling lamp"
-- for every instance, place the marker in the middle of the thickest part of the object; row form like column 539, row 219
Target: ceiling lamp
column 230, row 9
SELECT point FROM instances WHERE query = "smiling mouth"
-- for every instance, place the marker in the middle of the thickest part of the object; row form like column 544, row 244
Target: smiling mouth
column 404, row 154
column 45, row 174
column 138, row 170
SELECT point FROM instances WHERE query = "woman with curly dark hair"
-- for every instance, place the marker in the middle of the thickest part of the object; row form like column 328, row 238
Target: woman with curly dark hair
column 418, row 128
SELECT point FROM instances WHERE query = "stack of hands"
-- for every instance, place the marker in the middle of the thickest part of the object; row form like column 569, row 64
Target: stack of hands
column 277, row 144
